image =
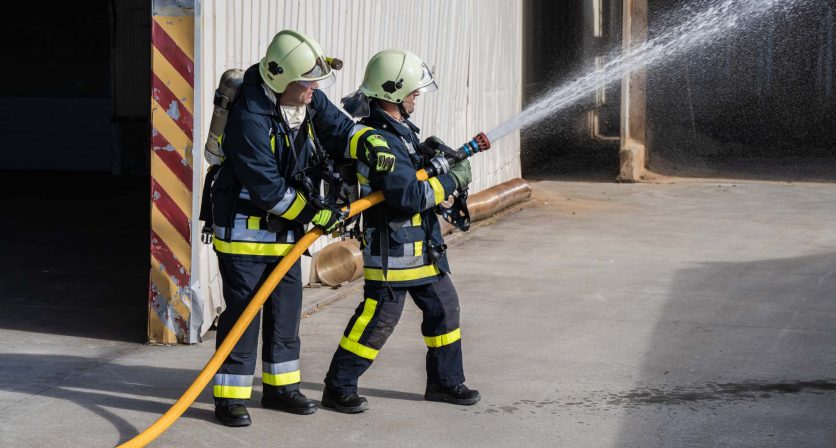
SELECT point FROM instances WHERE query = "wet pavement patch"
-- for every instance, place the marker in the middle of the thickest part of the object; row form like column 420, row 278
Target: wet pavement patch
column 706, row 395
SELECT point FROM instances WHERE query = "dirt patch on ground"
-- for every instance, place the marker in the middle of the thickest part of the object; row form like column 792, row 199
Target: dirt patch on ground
column 570, row 204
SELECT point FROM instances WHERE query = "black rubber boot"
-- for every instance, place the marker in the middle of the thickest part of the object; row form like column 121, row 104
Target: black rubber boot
column 232, row 413
column 291, row 401
column 347, row 404
column 458, row 394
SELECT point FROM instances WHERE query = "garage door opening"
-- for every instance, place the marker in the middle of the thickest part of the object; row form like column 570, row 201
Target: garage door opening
column 74, row 173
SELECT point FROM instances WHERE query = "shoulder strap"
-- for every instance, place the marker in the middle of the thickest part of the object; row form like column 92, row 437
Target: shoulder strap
column 206, row 205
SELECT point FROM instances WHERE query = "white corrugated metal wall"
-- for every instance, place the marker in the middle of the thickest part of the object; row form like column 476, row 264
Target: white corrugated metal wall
column 473, row 47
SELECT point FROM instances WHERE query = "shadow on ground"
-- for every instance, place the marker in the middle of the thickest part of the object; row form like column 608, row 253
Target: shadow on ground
column 743, row 354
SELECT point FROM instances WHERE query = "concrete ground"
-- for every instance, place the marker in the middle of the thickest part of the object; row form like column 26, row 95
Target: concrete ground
column 694, row 314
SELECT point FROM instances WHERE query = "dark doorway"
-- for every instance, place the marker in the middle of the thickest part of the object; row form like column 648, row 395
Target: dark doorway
column 560, row 41
column 74, row 175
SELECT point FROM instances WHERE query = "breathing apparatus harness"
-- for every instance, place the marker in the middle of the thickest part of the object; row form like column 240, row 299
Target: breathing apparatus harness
column 319, row 167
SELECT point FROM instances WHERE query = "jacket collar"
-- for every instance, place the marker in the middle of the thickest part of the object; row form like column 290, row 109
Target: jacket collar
column 379, row 119
column 255, row 98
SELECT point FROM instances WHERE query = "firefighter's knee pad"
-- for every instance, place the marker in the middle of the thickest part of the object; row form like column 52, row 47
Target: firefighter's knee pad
column 384, row 324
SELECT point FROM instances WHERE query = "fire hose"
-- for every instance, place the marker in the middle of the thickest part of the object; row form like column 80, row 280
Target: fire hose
column 477, row 144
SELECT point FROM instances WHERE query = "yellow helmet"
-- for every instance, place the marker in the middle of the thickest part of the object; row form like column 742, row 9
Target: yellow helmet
column 393, row 74
column 292, row 56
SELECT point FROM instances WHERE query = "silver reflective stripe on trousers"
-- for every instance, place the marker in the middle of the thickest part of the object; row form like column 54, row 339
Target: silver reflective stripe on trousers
column 226, row 379
column 280, row 367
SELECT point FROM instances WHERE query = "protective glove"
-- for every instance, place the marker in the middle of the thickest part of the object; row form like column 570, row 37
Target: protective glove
column 431, row 146
column 327, row 220
column 461, row 173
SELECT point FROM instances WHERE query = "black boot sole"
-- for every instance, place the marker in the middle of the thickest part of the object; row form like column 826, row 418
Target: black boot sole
column 447, row 399
column 276, row 405
column 328, row 403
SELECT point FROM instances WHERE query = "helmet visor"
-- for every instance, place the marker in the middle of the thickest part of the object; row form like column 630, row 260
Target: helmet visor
column 321, row 72
column 426, row 83
column 323, row 83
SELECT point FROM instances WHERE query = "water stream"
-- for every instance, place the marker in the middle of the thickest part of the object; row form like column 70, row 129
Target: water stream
column 685, row 31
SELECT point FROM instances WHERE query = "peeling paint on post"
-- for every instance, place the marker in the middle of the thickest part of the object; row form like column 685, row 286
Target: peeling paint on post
column 172, row 134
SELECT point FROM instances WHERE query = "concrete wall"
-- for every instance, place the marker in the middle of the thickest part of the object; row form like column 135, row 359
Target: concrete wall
column 473, row 47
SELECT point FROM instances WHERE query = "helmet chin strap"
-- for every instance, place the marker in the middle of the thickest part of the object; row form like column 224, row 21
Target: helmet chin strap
column 404, row 113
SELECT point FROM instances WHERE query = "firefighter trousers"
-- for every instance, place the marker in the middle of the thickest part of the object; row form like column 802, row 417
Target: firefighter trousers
column 375, row 319
column 280, row 330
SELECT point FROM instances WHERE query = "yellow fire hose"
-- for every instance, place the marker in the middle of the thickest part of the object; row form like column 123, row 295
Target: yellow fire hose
column 249, row 313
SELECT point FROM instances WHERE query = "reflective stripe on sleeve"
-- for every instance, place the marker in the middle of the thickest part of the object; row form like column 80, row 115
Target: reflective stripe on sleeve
column 438, row 190
column 295, row 208
column 355, row 139
column 285, row 202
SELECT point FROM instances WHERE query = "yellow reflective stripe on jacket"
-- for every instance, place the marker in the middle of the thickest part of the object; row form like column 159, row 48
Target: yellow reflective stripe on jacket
column 281, row 379
column 352, row 151
column 295, row 208
column 358, row 349
column 273, row 143
column 418, row 246
column 243, row 392
column 444, row 339
column 351, row 342
column 253, row 222
column 401, row 275
column 438, row 190
column 242, row 248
